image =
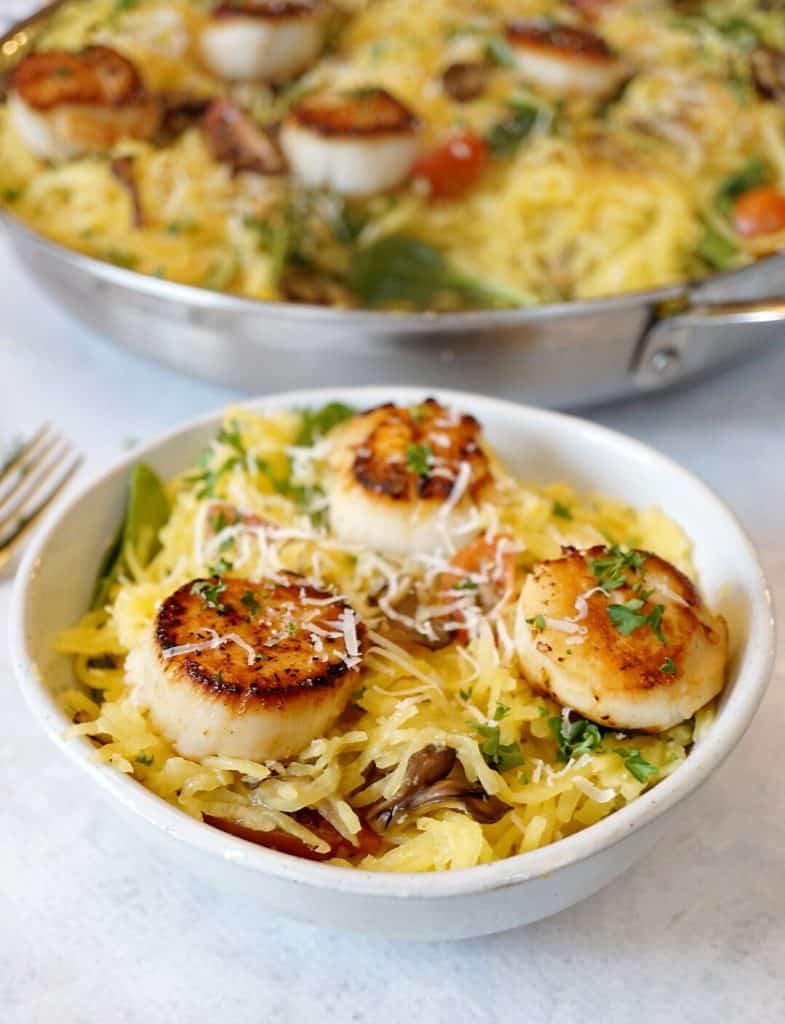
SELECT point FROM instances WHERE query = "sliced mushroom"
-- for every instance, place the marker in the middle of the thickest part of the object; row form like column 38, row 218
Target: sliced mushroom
column 406, row 629
column 122, row 167
column 180, row 111
column 435, row 778
column 304, row 284
column 234, row 139
column 465, row 80
column 768, row 71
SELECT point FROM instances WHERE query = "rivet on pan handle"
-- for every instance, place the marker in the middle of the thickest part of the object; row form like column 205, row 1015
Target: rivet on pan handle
column 674, row 346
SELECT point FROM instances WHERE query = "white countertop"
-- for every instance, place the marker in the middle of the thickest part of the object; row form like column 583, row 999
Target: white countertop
column 93, row 928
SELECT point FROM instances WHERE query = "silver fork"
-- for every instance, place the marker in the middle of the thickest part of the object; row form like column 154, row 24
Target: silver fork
column 30, row 479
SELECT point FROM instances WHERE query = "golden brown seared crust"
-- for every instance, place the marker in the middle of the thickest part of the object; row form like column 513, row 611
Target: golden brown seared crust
column 362, row 113
column 401, row 438
column 272, row 618
column 559, row 40
column 96, row 76
column 270, row 10
column 616, row 665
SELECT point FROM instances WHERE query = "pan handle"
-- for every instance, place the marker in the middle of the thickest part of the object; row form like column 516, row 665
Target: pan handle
column 677, row 345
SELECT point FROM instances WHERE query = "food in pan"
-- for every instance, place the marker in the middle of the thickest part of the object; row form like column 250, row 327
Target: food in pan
column 401, row 155
column 355, row 637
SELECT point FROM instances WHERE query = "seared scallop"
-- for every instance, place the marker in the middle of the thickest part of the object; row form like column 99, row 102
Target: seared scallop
column 66, row 104
column 356, row 143
column 263, row 40
column 247, row 669
column 563, row 59
column 623, row 638
column 407, row 480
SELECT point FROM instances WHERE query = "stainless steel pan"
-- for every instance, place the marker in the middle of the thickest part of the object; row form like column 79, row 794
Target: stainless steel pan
column 572, row 353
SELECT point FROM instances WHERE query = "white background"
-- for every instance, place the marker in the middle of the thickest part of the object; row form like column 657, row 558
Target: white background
column 93, row 928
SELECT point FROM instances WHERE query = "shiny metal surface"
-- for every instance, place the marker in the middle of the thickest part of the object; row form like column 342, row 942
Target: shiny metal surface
column 568, row 354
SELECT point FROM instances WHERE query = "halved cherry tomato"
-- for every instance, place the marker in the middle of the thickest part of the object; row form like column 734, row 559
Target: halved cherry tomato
column 454, row 166
column 494, row 558
column 367, row 841
column 593, row 8
column 761, row 211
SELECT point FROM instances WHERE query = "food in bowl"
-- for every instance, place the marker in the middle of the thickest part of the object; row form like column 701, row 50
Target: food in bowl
column 402, row 155
column 355, row 637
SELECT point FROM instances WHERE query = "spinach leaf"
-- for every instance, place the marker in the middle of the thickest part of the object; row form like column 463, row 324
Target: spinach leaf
column 506, row 135
column 752, row 174
column 146, row 513
column 318, row 422
column 402, row 269
column 717, row 249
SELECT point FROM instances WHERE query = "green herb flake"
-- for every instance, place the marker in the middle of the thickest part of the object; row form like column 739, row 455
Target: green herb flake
column 610, row 568
column 466, row 695
column 538, row 621
column 291, row 628
column 628, row 617
column 358, row 695
column 10, row 195
column 144, row 758
column 562, row 511
column 637, row 766
column 500, row 712
column 574, row 738
column 668, row 667
column 498, row 755
column 250, row 602
column 210, row 592
column 220, row 567
column 467, row 584
column 418, row 458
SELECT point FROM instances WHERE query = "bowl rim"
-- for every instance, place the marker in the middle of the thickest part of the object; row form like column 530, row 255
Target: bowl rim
column 754, row 673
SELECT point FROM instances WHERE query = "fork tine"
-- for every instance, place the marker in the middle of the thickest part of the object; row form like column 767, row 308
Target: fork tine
column 33, row 475
column 28, row 519
column 25, row 449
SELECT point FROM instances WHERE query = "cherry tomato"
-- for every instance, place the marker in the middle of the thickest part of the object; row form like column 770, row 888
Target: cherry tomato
column 454, row 166
column 367, row 841
column 761, row 211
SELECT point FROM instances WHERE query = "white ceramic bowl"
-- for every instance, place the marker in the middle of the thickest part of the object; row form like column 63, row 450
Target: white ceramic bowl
column 53, row 589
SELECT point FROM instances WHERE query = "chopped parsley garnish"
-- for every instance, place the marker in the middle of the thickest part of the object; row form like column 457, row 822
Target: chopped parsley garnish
column 250, row 602
column 609, row 569
column 10, row 195
column 561, row 510
column 218, row 679
column 210, row 592
column 500, row 712
column 538, row 621
column 220, row 567
column 498, row 755
column 292, row 628
column 628, row 617
column 466, row 694
column 232, row 437
column 668, row 667
column 467, row 584
column 418, row 458
column 574, row 738
column 358, row 695
column 144, row 758
column 637, row 766
column 219, row 521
